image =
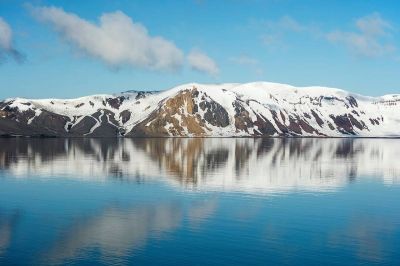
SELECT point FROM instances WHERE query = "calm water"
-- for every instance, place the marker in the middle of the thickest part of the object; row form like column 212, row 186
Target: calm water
column 200, row 201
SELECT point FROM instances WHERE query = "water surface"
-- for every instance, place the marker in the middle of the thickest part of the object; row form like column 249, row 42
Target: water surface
column 200, row 201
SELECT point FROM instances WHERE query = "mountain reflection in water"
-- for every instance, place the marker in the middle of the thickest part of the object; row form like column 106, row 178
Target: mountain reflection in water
column 248, row 165
column 168, row 201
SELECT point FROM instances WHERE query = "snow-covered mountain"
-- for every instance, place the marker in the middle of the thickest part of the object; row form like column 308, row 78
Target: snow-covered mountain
column 252, row 109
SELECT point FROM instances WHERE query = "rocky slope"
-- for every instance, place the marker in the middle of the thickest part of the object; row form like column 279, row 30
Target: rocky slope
column 196, row 110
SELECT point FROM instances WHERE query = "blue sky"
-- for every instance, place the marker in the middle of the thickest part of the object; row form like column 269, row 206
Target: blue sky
column 73, row 48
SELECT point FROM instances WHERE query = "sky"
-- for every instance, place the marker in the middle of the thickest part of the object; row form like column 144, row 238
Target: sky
column 72, row 48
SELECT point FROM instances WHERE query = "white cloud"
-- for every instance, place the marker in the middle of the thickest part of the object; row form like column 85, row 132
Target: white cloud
column 6, row 43
column 371, row 39
column 244, row 60
column 289, row 24
column 271, row 39
column 275, row 31
column 199, row 61
column 249, row 62
column 373, row 25
column 116, row 39
column 5, row 35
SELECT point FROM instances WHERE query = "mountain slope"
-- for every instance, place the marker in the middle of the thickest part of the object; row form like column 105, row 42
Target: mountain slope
column 252, row 109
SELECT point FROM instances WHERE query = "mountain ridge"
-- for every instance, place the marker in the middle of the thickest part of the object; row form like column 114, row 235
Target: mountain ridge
column 257, row 109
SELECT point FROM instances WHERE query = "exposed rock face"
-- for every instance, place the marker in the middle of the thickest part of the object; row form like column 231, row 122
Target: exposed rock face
column 177, row 116
column 243, row 121
column 115, row 102
column 29, row 122
column 257, row 109
column 83, row 126
column 214, row 114
column 50, row 121
column 125, row 116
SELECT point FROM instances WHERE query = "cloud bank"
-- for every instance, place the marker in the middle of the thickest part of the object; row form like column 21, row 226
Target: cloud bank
column 371, row 36
column 200, row 62
column 371, row 39
column 6, row 43
column 116, row 39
